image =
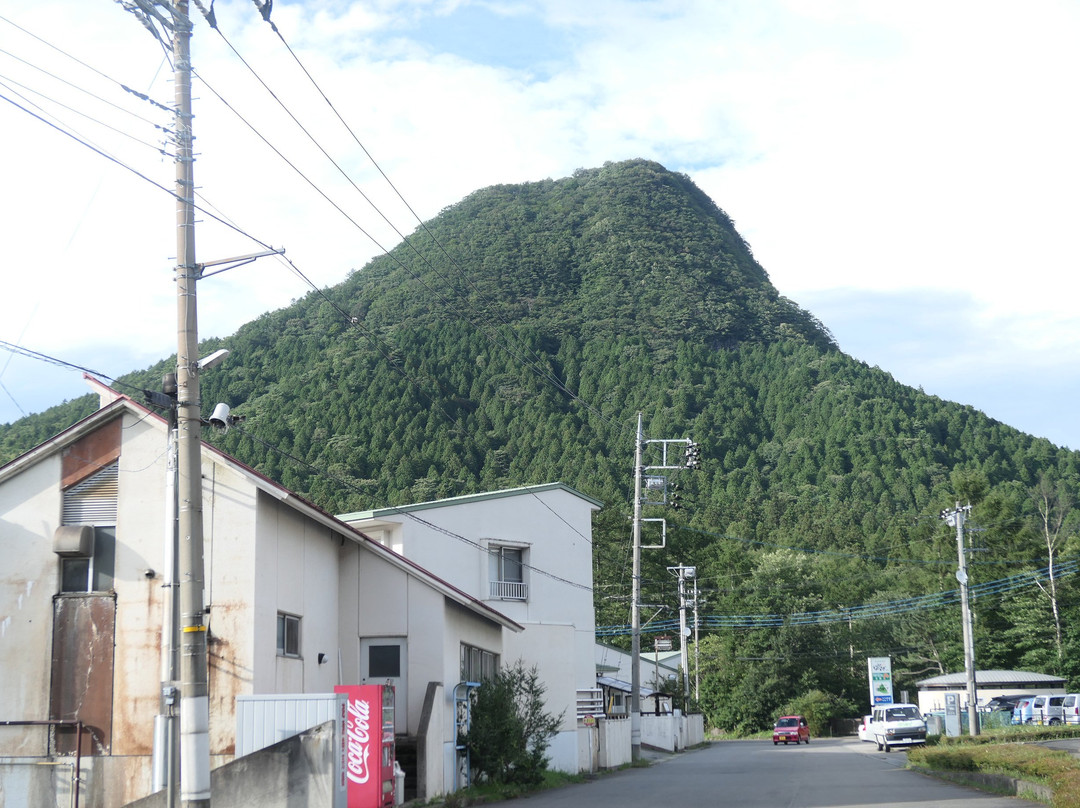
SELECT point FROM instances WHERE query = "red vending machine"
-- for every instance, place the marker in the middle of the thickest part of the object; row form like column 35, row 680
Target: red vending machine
column 367, row 745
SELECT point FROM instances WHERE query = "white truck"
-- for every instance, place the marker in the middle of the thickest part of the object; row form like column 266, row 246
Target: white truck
column 897, row 725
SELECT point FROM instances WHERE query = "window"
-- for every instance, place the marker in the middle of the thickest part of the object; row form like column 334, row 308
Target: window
column 93, row 573
column 477, row 664
column 507, row 573
column 384, row 661
column 288, row 635
column 91, row 504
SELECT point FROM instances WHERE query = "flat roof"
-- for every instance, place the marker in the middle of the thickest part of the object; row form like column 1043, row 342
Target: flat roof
column 992, row 678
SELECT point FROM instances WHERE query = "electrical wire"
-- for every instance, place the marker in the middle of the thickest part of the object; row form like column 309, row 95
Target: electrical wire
column 884, row 609
column 860, row 556
column 7, row 82
column 404, row 510
column 536, row 364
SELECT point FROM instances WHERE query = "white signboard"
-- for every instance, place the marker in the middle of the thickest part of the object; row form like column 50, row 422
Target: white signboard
column 880, row 680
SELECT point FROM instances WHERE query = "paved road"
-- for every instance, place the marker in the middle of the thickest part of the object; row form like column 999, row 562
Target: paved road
column 831, row 773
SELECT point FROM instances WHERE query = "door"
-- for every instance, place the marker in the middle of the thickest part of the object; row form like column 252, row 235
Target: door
column 384, row 661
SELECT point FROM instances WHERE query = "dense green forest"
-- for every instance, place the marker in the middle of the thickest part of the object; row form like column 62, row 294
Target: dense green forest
column 513, row 339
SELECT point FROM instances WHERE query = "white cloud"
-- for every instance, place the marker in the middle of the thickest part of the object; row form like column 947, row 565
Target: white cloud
column 876, row 148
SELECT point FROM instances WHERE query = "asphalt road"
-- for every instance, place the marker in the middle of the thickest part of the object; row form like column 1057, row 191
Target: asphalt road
column 834, row 773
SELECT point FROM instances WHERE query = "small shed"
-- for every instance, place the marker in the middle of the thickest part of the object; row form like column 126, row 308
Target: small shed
column 617, row 698
column 988, row 684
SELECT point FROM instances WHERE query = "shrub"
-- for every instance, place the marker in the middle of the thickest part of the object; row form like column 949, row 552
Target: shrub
column 818, row 708
column 509, row 730
column 1057, row 769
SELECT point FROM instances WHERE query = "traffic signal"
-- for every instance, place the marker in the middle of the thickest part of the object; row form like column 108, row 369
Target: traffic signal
column 693, row 455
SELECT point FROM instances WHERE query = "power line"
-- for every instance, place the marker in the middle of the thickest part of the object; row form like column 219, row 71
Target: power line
column 6, row 82
column 404, row 511
column 16, row 349
column 861, row 556
column 64, row 53
column 892, row 608
column 536, row 363
column 348, row 318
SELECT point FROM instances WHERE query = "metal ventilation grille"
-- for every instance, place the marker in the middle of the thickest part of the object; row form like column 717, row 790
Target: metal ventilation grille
column 93, row 501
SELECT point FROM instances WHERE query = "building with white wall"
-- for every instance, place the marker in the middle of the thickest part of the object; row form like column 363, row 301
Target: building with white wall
column 528, row 553
column 296, row 600
column 988, row 684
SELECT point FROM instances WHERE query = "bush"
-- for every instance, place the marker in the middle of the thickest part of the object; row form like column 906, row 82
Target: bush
column 1055, row 768
column 818, row 708
column 509, row 731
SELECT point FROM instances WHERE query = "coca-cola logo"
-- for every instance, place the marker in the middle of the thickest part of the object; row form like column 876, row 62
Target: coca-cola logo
column 358, row 738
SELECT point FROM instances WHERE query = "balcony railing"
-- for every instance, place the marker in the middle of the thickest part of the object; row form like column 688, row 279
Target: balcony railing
column 509, row 590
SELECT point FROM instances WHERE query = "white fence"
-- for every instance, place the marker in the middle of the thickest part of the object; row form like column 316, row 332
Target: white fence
column 606, row 744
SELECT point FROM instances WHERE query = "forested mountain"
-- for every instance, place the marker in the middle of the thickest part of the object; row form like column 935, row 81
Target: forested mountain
column 513, row 339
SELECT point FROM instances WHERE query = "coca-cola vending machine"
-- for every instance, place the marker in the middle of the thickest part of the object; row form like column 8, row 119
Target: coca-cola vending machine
column 367, row 745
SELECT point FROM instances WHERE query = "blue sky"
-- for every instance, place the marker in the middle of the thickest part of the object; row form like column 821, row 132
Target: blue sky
column 520, row 40
column 906, row 172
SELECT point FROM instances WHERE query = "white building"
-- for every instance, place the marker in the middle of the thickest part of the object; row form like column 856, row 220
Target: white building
column 297, row 602
column 988, row 684
column 528, row 553
column 614, row 675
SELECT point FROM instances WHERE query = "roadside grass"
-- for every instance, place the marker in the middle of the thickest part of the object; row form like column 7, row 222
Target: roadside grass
column 1028, row 733
column 1012, row 752
column 483, row 793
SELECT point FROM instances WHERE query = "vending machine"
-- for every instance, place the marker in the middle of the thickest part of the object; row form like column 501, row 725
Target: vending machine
column 367, row 745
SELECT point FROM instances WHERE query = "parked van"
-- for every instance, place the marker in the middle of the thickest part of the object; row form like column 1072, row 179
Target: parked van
column 1070, row 708
column 897, row 725
column 1047, row 709
column 1022, row 713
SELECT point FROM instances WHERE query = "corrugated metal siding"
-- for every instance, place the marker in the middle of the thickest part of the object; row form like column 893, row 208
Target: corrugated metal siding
column 93, row 501
column 991, row 678
column 262, row 721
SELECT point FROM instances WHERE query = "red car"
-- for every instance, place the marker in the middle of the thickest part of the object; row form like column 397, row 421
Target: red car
column 790, row 728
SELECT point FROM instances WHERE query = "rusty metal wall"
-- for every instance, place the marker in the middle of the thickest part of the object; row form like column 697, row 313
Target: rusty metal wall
column 91, row 453
column 84, row 628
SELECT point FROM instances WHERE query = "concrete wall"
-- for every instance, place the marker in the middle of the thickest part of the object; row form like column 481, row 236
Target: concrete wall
column 29, row 515
column 429, row 752
column 296, row 773
column 614, row 743
column 672, row 733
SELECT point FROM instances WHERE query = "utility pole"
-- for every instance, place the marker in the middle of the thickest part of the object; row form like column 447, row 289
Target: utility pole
column 683, row 574
column 691, row 461
column 955, row 518
column 184, row 628
column 697, row 648
column 194, row 690
column 635, row 606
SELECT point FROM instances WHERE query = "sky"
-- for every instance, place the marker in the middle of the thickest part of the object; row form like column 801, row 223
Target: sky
column 907, row 172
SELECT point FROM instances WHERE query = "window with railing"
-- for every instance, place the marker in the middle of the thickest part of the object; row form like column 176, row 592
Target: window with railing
column 590, row 702
column 507, row 573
